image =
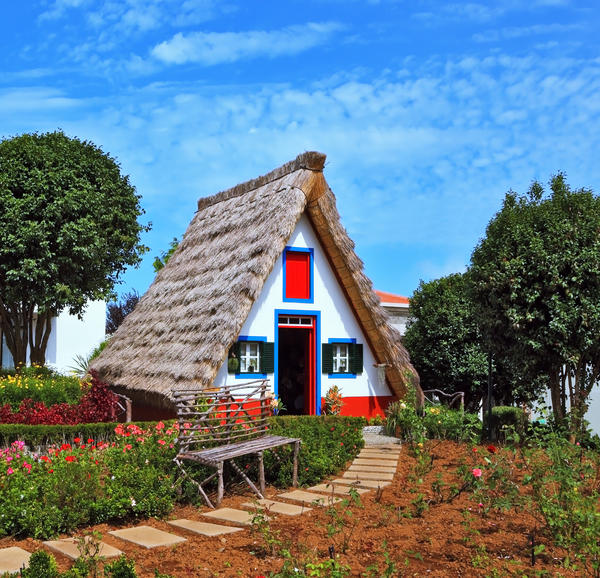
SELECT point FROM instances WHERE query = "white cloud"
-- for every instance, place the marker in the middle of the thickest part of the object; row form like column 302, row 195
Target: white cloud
column 210, row 48
column 58, row 8
column 510, row 33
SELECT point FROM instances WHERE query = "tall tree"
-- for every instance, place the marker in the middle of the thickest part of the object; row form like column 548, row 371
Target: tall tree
column 443, row 339
column 68, row 229
column 118, row 310
column 536, row 281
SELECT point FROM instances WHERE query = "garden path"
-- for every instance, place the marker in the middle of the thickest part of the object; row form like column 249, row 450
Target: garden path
column 374, row 467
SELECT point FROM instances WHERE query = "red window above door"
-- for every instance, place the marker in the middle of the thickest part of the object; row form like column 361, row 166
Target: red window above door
column 298, row 275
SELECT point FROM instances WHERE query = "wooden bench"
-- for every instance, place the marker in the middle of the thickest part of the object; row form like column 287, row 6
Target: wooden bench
column 221, row 424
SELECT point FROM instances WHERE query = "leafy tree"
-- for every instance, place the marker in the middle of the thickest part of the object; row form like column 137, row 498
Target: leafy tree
column 443, row 339
column 536, row 282
column 68, row 229
column 160, row 262
column 118, row 310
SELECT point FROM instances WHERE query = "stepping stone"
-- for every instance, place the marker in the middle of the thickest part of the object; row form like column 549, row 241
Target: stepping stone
column 374, row 456
column 204, row 528
column 232, row 515
column 374, row 469
column 308, row 498
column 374, row 462
column 69, row 547
column 343, row 490
column 362, row 483
column 13, row 559
column 277, row 507
column 147, row 537
column 380, row 476
column 390, row 450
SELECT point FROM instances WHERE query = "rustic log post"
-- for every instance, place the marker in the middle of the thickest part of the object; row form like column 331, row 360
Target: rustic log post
column 220, row 485
column 261, row 473
column 295, row 474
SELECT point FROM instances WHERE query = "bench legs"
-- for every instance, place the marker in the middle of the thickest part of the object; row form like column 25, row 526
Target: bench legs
column 261, row 473
column 295, row 474
column 220, row 485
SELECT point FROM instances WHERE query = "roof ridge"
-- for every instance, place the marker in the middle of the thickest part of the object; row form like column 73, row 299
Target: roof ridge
column 309, row 160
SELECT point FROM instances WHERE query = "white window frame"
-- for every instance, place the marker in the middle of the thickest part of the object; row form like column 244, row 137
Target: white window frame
column 249, row 357
column 341, row 355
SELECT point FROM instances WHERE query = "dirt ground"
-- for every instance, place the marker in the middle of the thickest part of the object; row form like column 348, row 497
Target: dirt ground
column 445, row 540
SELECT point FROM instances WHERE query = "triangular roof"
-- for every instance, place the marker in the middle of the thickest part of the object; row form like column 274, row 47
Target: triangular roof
column 180, row 332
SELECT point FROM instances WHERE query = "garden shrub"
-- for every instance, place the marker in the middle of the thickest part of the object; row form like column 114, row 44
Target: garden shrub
column 437, row 421
column 87, row 482
column 40, row 384
column 508, row 417
column 328, row 443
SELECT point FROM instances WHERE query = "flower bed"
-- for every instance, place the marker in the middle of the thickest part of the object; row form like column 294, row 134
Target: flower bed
column 90, row 481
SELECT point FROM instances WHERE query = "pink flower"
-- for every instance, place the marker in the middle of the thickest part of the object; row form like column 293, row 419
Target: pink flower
column 10, row 471
column 160, row 425
column 162, row 442
column 477, row 472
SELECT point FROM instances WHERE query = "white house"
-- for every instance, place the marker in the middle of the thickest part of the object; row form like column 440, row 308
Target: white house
column 69, row 337
column 397, row 307
column 265, row 284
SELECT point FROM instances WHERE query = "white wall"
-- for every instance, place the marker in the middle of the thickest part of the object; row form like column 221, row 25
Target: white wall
column 336, row 320
column 71, row 336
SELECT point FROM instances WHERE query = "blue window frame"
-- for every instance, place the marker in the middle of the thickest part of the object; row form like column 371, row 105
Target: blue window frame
column 310, row 272
column 247, row 359
column 342, row 358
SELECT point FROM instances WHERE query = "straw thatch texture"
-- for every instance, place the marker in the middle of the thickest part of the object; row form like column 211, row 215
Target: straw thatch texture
column 180, row 332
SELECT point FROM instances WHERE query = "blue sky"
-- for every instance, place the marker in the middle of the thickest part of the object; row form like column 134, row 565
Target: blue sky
column 428, row 111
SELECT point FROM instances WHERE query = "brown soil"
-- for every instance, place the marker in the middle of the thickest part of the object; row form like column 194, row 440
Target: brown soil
column 438, row 543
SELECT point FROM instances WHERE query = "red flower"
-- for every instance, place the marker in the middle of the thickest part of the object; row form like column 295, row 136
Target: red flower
column 70, row 458
column 77, row 440
column 492, row 449
column 90, row 441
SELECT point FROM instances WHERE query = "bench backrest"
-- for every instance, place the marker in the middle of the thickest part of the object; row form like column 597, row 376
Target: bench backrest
column 222, row 416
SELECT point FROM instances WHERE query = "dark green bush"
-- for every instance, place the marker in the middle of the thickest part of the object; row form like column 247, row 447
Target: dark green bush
column 505, row 416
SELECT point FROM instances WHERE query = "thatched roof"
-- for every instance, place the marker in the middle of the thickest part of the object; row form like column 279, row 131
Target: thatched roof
column 180, row 332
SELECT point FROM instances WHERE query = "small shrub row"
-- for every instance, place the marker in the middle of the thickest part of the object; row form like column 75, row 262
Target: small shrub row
column 97, row 404
column 43, row 565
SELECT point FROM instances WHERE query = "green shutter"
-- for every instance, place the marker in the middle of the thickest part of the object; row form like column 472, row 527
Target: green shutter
column 267, row 357
column 355, row 352
column 327, row 358
column 233, row 362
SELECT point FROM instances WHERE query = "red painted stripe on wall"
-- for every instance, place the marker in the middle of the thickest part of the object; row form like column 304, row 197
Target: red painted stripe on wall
column 365, row 406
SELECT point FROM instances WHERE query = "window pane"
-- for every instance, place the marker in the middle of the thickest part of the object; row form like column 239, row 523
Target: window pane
column 340, row 358
column 249, row 357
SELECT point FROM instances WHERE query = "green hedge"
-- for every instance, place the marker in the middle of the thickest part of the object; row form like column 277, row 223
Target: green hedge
column 328, row 443
column 36, row 436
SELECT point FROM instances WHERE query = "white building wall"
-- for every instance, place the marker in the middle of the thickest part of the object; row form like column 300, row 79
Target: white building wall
column 336, row 319
column 70, row 337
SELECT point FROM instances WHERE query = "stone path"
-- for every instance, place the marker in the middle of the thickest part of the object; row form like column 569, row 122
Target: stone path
column 373, row 468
